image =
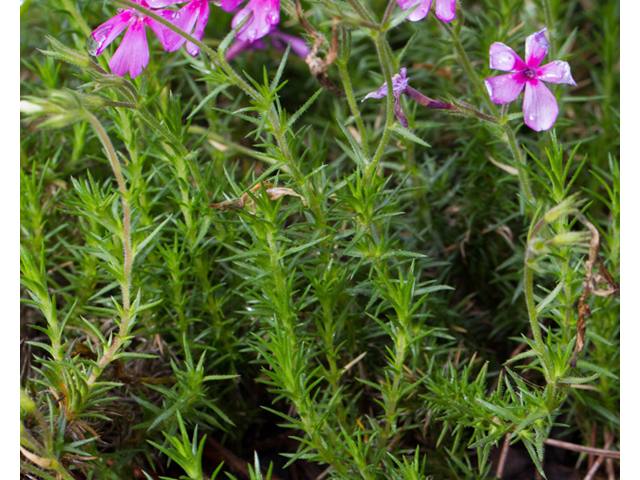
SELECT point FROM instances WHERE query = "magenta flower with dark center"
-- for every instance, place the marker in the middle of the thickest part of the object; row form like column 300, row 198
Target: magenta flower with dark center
column 401, row 86
column 445, row 9
column 133, row 53
column 540, row 107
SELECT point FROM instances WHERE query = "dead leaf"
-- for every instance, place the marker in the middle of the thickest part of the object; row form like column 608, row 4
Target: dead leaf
column 273, row 193
column 506, row 168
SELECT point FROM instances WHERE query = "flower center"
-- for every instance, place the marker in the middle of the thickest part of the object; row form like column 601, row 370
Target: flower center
column 529, row 72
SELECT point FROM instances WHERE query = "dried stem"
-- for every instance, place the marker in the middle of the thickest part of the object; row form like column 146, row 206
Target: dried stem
column 581, row 448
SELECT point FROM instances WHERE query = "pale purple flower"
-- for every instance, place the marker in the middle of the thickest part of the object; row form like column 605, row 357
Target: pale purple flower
column 401, row 86
column 540, row 107
column 445, row 9
column 279, row 40
column 133, row 53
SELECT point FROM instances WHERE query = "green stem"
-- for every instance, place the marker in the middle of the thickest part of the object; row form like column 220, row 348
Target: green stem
column 232, row 145
column 387, row 13
column 353, row 105
column 363, row 12
column 71, row 8
column 128, row 249
column 548, row 18
column 520, row 162
column 466, row 64
column 531, row 307
column 184, row 153
column 386, row 65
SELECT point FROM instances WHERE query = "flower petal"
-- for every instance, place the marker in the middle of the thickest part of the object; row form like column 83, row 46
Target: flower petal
column 133, row 53
column 400, row 81
column 446, row 10
column 228, row 5
column 556, row 72
column 540, row 107
column 185, row 19
column 265, row 13
column 239, row 46
column 505, row 88
column 108, row 32
column 397, row 109
column 535, row 49
column 198, row 32
column 163, row 33
column 298, row 45
column 162, row 3
column 420, row 12
column 380, row 93
column 504, row 58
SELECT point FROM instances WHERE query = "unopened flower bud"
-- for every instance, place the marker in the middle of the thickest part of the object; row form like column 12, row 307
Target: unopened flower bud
column 66, row 54
column 26, row 403
column 570, row 238
column 568, row 206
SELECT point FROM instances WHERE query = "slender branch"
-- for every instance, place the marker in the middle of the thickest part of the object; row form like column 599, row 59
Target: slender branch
column 466, row 64
column 185, row 155
column 520, row 162
column 219, row 139
column 353, row 105
column 581, row 448
column 362, row 11
column 128, row 249
column 387, row 13
column 548, row 19
column 385, row 64
column 71, row 8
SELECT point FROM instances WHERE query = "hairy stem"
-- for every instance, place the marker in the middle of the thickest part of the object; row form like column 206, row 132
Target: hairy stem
column 128, row 249
column 353, row 105
column 71, row 8
column 531, row 306
column 548, row 19
column 387, row 66
column 466, row 64
column 518, row 158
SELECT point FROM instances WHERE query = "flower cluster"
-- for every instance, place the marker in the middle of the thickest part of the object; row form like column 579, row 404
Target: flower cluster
column 258, row 19
column 132, row 56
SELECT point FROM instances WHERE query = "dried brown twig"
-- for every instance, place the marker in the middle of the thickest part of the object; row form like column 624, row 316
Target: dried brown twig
column 318, row 65
column 274, row 193
column 581, row 448
column 591, row 283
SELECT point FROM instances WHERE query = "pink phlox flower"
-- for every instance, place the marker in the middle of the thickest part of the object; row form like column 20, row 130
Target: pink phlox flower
column 192, row 19
column 133, row 53
column 264, row 15
column 445, row 9
column 400, row 84
column 279, row 40
column 540, row 107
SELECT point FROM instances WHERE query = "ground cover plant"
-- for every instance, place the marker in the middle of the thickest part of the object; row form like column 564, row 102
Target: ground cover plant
column 319, row 239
